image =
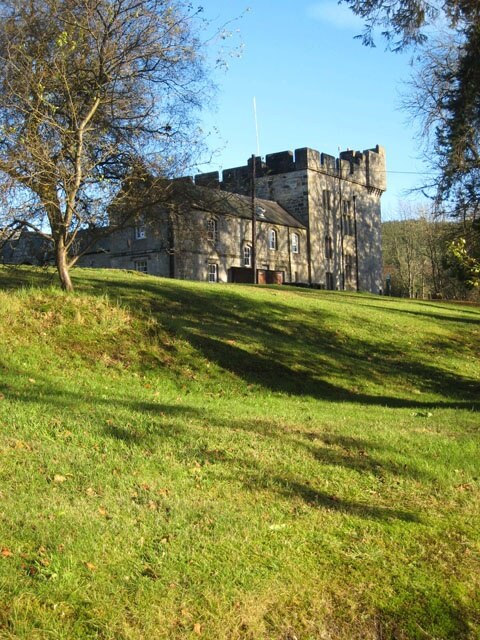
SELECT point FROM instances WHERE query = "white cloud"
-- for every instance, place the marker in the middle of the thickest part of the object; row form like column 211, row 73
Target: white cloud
column 337, row 15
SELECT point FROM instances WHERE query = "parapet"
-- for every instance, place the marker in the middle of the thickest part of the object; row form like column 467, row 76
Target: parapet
column 211, row 179
column 364, row 167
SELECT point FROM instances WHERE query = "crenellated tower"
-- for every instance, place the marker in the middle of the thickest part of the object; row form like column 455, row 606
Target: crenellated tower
column 337, row 199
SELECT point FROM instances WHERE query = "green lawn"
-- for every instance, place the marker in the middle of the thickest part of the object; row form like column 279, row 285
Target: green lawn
column 183, row 460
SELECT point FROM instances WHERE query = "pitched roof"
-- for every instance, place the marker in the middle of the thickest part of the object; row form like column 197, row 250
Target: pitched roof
column 225, row 203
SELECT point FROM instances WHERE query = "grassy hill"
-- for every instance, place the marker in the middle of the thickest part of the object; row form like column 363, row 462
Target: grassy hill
column 180, row 460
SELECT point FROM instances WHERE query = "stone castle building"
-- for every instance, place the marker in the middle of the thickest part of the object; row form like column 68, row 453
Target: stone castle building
column 317, row 222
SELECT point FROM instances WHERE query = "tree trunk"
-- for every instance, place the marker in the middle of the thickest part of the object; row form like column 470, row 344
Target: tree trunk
column 62, row 265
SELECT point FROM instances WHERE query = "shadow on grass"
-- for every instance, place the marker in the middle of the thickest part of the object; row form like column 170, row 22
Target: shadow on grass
column 438, row 317
column 315, row 498
column 266, row 342
column 168, row 423
column 17, row 277
column 293, row 355
column 443, row 614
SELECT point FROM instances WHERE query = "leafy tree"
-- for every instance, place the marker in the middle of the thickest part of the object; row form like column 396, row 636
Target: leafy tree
column 91, row 93
column 446, row 99
column 446, row 87
column 464, row 261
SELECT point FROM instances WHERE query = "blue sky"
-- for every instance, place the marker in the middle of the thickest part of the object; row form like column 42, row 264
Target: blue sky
column 314, row 85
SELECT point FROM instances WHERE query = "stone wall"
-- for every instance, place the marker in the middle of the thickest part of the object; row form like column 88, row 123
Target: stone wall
column 185, row 251
column 336, row 199
column 319, row 190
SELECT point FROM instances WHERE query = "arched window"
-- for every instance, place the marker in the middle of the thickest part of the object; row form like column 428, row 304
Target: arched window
column 212, row 230
column 295, row 243
column 272, row 240
column 247, row 256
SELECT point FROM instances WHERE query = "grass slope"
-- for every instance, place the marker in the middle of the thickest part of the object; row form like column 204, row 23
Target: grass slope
column 180, row 460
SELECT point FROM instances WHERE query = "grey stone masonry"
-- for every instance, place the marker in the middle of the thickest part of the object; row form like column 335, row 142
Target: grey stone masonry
column 317, row 222
column 337, row 199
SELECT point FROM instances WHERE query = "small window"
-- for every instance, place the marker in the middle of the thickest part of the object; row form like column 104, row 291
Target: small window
column 328, row 247
column 327, row 200
column 212, row 230
column 140, row 229
column 272, row 240
column 213, row 272
column 141, row 265
column 295, row 243
column 348, row 225
column 247, row 256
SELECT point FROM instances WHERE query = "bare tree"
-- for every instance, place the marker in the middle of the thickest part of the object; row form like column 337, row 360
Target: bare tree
column 91, row 93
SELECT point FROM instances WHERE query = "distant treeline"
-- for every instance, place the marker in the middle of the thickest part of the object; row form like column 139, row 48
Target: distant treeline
column 420, row 259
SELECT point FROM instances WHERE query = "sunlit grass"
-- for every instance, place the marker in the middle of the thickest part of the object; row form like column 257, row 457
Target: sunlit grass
column 182, row 460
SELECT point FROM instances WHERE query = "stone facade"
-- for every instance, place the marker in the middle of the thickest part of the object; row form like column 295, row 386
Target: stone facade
column 317, row 223
column 336, row 199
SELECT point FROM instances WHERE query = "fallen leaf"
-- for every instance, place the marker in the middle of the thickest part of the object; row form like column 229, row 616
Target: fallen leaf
column 6, row 553
column 102, row 511
column 19, row 444
column 197, row 628
column 90, row 566
column 466, row 486
column 59, row 478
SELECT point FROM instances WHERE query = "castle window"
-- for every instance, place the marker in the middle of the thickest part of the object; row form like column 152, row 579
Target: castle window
column 140, row 229
column 272, row 240
column 141, row 265
column 213, row 272
column 212, row 230
column 247, row 256
column 327, row 199
column 328, row 247
column 295, row 243
column 348, row 226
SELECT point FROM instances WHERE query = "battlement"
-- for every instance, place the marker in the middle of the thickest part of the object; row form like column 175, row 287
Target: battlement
column 364, row 167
